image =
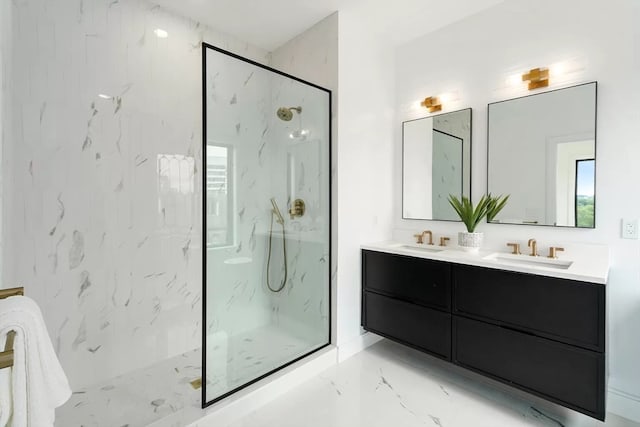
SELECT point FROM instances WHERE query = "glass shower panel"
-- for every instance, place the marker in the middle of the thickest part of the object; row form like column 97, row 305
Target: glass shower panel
column 267, row 221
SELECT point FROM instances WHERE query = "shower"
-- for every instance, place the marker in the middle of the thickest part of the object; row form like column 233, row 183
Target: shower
column 275, row 212
column 286, row 114
column 267, row 266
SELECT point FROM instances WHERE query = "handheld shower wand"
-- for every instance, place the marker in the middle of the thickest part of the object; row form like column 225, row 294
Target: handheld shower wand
column 276, row 211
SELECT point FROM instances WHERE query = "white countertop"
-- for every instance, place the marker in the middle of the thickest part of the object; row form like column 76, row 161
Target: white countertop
column 583, row 262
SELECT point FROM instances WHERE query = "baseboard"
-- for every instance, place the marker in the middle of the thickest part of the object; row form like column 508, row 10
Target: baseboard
column 248, row 400
column 355, row 346
column 624, row 404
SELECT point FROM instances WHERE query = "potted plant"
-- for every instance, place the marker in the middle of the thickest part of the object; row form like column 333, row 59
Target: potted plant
column 488, row 206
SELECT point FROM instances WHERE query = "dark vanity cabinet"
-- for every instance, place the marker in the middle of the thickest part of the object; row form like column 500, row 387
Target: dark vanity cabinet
column 540, row 334
column 408, row 300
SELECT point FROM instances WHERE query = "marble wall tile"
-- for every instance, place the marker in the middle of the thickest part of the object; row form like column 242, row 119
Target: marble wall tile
column 6, row 38
column 238, row 108
column 102, row 205
column 101, row 121
column 313, row 56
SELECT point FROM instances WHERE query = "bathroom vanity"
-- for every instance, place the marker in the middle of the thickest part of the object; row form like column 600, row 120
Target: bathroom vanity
column 537, row 325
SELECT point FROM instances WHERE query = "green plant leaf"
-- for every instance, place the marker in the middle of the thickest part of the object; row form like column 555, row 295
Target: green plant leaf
column 497, row 203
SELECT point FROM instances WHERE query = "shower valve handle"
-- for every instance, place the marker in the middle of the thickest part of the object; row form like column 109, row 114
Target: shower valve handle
column 297, row 209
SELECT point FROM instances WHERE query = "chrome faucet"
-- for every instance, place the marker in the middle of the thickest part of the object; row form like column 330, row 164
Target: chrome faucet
column 534, row 247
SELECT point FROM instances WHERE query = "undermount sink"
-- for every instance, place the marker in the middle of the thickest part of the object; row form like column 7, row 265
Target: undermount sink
column 529, row 261
column 426, row 248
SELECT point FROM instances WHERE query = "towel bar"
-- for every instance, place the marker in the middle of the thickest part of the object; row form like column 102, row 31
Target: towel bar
column 6, row 357
column 11, row 292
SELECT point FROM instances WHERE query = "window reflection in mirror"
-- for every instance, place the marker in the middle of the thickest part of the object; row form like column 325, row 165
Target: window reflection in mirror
column 541, row 151
column 584, row 193
column 436, row 162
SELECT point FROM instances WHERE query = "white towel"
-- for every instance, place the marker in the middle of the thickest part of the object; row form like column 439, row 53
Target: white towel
column 39, row 384
column 5, row 393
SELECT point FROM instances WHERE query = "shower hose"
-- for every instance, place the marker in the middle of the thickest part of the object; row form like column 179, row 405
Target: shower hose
column 284, row 252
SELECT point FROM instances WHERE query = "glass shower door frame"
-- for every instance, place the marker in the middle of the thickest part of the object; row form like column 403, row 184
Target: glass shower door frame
column 205, row 47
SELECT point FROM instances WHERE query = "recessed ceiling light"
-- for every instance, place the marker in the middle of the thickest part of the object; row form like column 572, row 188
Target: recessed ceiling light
column 162, row 34
column 103, row 96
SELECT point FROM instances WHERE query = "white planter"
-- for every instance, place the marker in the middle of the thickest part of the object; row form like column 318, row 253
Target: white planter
column 470, row 242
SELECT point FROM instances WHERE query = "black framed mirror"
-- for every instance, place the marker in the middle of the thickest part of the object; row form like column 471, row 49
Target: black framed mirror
column 436, row 162
column 541, row 150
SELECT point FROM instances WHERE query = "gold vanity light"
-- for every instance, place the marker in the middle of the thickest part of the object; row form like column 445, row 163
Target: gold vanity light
column 432, row 103
column 537, row 78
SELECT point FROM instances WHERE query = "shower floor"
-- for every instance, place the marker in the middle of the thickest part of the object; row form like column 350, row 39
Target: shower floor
column 161, row 395
column 140, row 398
column 236, row 360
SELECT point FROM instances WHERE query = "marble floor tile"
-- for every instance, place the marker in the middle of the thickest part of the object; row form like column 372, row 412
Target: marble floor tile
column 391, row 385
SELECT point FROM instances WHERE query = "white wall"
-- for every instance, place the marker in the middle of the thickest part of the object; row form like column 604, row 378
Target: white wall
column 102, row 236
column 515, row 36
column 365, row 149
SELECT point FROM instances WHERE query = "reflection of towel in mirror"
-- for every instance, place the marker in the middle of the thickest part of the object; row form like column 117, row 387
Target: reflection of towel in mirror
column 38, row 383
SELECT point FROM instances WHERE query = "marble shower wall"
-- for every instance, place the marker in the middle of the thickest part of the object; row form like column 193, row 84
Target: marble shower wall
column 312, row 56
column 102, row 197
column 239, row 115
column 301, row 171
column 5, row 104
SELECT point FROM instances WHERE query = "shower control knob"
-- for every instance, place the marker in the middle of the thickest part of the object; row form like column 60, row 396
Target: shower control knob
column 297, row 209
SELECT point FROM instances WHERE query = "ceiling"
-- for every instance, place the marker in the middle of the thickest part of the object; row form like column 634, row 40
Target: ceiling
column 270, row 23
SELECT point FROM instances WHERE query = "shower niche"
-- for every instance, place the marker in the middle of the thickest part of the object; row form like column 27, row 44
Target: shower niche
column 267, row 138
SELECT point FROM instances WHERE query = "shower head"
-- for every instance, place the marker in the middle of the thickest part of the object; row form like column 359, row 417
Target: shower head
column 276, row 211
column 286, row 114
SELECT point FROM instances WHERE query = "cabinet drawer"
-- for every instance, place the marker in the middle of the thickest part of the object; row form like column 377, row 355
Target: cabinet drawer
column 565, row 310
column 417, row 280
column 420, row 327
column 569, row 375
